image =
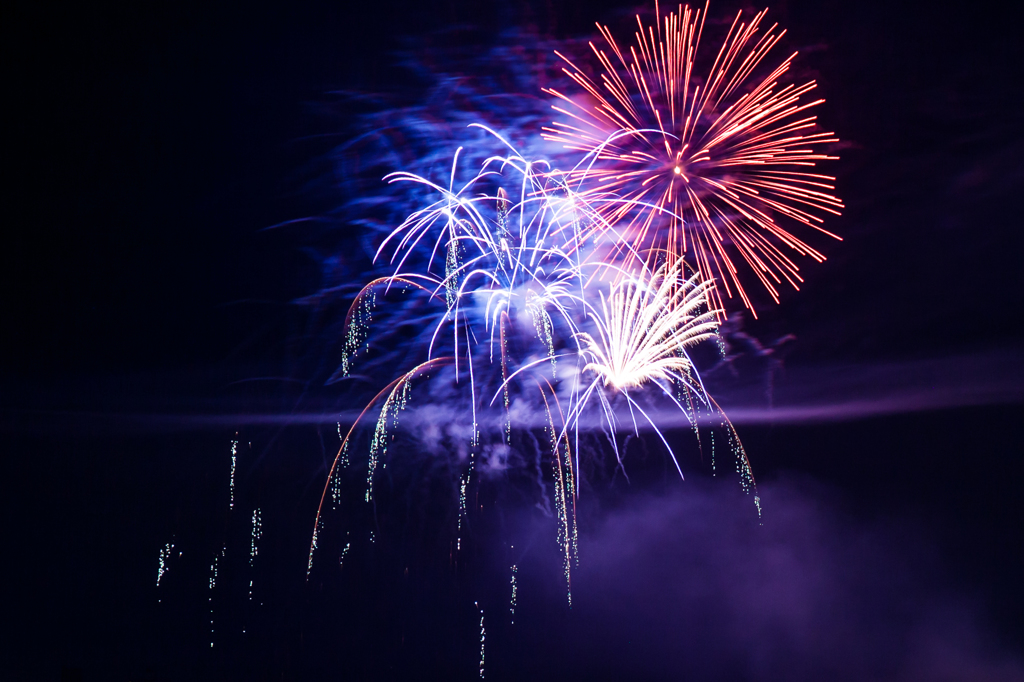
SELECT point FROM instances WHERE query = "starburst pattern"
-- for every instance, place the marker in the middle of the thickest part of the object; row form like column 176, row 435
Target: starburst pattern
column 716, row 167
column 644, row 326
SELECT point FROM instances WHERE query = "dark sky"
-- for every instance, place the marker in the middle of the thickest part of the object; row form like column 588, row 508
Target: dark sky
column 150, row 144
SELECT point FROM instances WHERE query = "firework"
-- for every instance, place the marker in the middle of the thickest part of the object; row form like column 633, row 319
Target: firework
column 507, row 244
column 590, row 276
column 482, row 251
column 644, row 326
column 512, row 241
column 714, row 168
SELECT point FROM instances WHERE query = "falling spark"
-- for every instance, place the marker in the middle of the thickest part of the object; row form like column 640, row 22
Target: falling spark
column 312, row 547
column 483, row 638
column 565, row 500
column 743, row 466
column 231, row 484
column 163, row 567
column 335, row 481
column 463, row 482
column 395, row 403
column 344, row 448
column 344, row 553
column 357, row 328
column 512, row 602
column 254, row 550
column 257, row 534
column 392, row 387
column 213, row 584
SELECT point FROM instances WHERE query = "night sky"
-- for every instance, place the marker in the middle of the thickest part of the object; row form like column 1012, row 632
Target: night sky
column 151, row 318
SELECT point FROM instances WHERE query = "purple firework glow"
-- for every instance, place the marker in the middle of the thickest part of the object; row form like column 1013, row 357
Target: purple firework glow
column 526, row 290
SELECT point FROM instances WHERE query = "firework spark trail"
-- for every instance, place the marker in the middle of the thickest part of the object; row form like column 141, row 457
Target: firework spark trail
column 746, row 474
column 231, row 481
column 164, row 562
column 483, row 638
column 213, row 584
column 565, row 489
column 395, row 403
column 463, row 482
column 254, row 548
column 313, row 543
column 700, row 166
column 515, row 594
column 344, row 552
column 519, row 262
column 360, row 315
column 394, row 385
column 343, row 460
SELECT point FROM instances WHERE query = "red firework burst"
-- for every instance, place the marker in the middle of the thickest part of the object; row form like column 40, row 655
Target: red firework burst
column 700, row 166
